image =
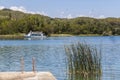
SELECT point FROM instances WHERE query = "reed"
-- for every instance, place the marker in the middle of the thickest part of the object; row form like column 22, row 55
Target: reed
column 83, row 59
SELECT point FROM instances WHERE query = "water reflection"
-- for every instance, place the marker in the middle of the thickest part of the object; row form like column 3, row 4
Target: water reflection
column 84, row 77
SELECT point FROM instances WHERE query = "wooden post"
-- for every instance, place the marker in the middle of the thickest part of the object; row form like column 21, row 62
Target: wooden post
column 22, row 64
column 33, row 64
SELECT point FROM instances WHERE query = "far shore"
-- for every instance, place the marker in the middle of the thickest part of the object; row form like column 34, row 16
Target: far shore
column 12, row 36
column 69, row 35
column 21, row 36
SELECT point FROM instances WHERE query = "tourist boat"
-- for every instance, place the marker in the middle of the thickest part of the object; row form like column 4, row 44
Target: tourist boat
column 35, row 35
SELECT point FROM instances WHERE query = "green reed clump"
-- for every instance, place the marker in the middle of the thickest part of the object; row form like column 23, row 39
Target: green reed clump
column 83, row 59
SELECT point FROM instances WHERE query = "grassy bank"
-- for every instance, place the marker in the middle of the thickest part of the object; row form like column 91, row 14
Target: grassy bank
column 90, row 35
column 68, row 35
column 60, row 35
column 13, row 36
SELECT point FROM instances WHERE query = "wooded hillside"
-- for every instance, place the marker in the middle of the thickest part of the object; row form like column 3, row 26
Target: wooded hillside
column 13, row 22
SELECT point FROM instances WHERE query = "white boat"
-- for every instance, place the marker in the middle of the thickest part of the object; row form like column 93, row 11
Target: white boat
column 35, row 35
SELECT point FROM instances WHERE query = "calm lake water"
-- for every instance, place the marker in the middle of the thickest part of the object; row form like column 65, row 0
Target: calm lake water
column 50, row 55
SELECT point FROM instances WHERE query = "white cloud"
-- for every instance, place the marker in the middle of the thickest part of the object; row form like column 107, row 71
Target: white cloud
column 2, row 7
column 101, row 16
column 81, row 16
column 91, row 13
column 62, row 13
column 42, row 13
column 92, row 16
column 69, row 16
column 22, row 9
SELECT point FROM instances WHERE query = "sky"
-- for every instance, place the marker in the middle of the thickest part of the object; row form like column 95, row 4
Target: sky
column 66, row 8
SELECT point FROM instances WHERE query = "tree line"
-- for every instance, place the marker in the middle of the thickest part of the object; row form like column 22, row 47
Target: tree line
column 13, row 22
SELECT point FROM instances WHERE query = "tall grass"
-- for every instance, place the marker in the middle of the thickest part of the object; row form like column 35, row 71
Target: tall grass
column 83, row 59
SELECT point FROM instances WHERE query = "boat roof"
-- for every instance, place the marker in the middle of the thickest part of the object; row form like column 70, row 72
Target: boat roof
column 36, row 32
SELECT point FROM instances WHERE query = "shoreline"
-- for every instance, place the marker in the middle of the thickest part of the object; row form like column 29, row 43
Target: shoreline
column 82, row 35
column 14, row 36
column 21, row 36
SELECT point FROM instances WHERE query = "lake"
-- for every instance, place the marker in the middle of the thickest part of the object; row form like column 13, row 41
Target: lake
column 50, row 55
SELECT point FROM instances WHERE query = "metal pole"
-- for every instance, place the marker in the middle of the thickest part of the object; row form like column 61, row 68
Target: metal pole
column 22, row 64
column 33, row 64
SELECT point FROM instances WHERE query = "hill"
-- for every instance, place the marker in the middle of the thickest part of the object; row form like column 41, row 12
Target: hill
column 13, row 22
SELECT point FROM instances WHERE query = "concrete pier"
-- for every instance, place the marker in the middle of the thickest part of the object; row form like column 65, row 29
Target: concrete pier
column 26, row 76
